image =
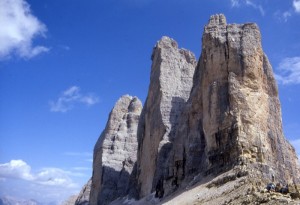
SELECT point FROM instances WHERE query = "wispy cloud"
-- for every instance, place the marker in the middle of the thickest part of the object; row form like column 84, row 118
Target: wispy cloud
column 286, row 15
column 296, row 5
column 255, row 6
column 250, row 3
column 64, row 47
column 71, row 97
column 18, row 29
column 288, row 71
column 235, row 3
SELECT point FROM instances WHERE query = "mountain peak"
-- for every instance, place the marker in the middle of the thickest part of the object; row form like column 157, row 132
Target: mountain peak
column 213, row 126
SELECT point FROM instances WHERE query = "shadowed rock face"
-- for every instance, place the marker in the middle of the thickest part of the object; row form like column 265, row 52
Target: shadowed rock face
column 115, row 152
column 170, row 85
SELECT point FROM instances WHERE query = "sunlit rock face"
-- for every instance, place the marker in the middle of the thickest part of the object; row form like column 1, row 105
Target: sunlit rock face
column 233, row 116
column 215, row 123
column 115, row 152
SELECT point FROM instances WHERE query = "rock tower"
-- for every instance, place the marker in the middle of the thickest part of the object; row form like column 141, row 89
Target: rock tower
column 115, row 152
column 212, row 126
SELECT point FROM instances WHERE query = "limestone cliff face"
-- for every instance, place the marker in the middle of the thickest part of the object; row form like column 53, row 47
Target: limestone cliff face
column 233, row 116
column 170, row 85
column 217, row 123
column 84, row 196
column 115, row 152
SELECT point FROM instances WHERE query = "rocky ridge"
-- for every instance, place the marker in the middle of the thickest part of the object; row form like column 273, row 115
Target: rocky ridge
column 210, row 131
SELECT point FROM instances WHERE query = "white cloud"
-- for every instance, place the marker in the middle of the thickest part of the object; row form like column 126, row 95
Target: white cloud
column 296, row 4
column 288, row 71
column 50, row 184
column 238, row 3
column 18, row 29
column 71, row 97
column 56, row 177
column 17, row 169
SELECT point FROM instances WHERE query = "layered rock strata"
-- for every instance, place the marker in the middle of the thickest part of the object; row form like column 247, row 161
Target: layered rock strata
column 115, row 152
column 170, row 85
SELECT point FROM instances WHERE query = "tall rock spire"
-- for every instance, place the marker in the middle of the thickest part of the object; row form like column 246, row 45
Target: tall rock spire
column 233, row 116
column 115, row 152
column 170, row 85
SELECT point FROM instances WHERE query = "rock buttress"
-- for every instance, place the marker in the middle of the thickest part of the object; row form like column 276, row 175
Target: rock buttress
column 233, row 116
column 115, row 152
column 170, row 85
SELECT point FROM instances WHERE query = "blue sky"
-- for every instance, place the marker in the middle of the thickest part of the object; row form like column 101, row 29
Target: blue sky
column 64, row 64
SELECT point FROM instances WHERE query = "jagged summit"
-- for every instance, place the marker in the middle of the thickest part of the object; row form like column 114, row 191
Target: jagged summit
column 167, row 43
column 212, row 127
column 217, row 20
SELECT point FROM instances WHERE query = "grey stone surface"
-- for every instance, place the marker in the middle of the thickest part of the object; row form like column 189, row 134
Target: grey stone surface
column 70, row 201
column 84, row 195
column 233, row 116
column 209, row 133
column 170, row 85
column 115, row 152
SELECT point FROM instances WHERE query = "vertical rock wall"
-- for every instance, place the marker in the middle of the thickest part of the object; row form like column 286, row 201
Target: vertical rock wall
column 233, row 116
column 198, row 120
column 170, row 85
column 115, row 152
